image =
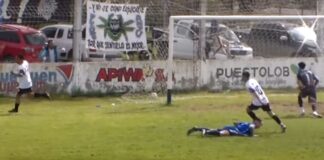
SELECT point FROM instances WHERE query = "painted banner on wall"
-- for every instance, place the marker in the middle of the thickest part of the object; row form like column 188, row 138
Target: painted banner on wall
column 123, row 77
column 146, row 76
column 270, row 73
column 46, row 77
column 115, row 27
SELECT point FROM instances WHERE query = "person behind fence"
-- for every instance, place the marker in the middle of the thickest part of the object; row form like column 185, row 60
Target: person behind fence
column 49, row 53
column 244, row 129
column 217, row 43
column 307, row 82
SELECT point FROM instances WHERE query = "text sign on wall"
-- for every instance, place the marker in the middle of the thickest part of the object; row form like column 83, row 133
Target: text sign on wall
column 115, row 27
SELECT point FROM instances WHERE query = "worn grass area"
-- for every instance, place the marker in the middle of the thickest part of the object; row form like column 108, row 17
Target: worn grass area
column 143, row 128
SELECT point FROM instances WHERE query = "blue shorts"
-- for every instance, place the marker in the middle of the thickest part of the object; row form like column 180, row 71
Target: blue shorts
column 309, row 92
column 232, row 130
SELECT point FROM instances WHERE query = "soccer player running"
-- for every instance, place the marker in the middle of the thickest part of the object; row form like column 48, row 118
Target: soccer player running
column 260, row 100
column 237, row 129
column 25, row 82
column 307, row 82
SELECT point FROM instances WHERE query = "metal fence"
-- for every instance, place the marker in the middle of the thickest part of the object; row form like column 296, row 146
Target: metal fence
column 158, row 11
column 41, row 12
column 38, row 13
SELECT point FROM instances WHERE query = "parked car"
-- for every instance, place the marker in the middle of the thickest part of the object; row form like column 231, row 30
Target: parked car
column 278, row 39
column 17, row 39
column 221, row 43
column 62, row 36
column 62, row 39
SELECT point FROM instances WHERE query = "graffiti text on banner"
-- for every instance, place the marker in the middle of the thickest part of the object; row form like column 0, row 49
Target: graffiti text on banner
column 115, row 27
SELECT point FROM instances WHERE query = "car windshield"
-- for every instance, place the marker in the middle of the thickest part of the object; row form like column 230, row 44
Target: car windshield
column 224, row 32
column 302, row 33
column 229, row 35
column 35, row 39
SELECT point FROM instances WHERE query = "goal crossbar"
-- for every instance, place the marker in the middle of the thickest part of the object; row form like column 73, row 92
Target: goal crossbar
column 249, row 17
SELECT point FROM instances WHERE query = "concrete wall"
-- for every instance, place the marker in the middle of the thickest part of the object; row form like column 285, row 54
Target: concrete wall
column 271, row 73
column 129, row 76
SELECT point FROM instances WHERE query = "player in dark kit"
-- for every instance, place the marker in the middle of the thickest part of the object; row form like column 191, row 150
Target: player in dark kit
column 237, row 129
column 307, row 82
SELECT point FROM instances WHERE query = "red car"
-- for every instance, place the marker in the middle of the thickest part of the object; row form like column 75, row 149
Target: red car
column 17, row 39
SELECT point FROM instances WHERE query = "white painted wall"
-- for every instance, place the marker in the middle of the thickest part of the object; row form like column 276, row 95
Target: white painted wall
column 271, row 73
column 132, row 76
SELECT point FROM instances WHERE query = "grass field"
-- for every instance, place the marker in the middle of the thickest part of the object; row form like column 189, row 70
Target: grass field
column 138, row 128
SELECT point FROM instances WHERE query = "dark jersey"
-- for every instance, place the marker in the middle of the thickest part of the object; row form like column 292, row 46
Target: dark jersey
column 307, row 78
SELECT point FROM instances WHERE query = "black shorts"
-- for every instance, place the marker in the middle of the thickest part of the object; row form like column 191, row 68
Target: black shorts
column 266, row 107
column 309, row 92
column 24, row 91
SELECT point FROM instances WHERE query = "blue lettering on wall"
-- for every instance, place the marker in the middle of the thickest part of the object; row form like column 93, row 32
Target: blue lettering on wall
column 8, row 82
column 43, row 76
column 7, row 77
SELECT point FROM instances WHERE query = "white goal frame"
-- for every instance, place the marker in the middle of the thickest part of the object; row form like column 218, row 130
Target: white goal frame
column 172, row 19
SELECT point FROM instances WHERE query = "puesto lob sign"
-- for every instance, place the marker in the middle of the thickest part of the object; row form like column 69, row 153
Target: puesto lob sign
column 115, row 27
column 267, row 72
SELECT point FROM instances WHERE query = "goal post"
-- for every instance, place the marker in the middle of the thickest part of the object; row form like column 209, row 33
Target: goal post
column 243, row 25
column 170, row 61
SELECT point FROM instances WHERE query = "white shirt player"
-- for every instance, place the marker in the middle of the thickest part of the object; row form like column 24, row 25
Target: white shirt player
column 24, row 81
column 259, row 97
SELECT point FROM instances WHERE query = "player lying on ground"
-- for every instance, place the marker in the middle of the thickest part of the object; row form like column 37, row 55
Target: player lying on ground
column 237, row 129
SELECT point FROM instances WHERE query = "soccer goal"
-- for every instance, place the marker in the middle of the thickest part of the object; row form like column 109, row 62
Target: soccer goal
column 204, row 38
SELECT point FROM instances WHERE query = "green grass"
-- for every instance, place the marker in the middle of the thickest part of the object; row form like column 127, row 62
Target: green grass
column 145, row 129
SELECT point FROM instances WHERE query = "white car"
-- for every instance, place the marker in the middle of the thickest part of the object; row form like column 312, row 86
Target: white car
column 62, row 36
column 220, row 44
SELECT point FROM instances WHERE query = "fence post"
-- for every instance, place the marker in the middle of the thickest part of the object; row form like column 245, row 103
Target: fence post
column 166, row 11
column 77, row 30
column 320, row 25
column 202, row 34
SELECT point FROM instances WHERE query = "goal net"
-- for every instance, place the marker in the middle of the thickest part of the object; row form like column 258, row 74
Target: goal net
column 242, row 37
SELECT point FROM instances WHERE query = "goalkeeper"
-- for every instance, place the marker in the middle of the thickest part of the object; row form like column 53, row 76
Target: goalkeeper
column 237, row 129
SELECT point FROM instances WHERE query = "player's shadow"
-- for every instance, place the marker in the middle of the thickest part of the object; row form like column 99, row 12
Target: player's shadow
column 268, row 134
column 6, row 114
column 291, row 116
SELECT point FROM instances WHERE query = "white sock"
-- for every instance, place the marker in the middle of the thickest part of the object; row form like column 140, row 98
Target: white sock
column 302, row 109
